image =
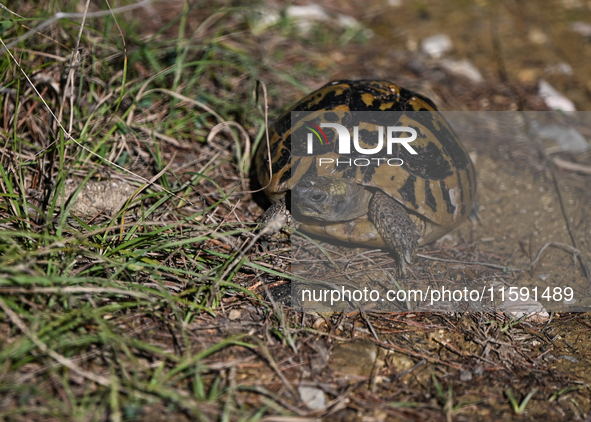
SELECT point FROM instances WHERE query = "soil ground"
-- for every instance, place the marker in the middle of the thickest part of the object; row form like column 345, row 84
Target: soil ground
column 212, row 339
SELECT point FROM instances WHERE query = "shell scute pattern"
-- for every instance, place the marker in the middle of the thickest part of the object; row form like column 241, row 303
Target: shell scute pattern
column 438, row 185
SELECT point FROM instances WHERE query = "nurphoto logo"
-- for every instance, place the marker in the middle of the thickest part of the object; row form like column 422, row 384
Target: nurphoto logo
column 344, row 143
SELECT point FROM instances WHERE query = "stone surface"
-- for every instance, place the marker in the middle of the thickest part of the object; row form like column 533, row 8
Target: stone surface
column 437, row 45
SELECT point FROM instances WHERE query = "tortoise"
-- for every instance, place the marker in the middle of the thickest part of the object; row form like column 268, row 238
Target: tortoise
column 397, row 207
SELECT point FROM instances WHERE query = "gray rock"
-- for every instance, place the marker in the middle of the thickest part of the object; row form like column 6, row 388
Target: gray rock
column 313, row 398
column 554, row 99
column 436, row 46
column 581, row 28
column 463, row 68
column 561, row 68
column 569, row 139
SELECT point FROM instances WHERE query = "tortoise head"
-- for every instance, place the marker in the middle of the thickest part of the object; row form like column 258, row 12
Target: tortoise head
column 328, row 198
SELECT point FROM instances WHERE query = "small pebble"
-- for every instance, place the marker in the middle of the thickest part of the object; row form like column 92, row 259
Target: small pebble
column 554, row 99
column 313, row 398
column 569, row 358
column 465, row 375
column 436, row 46
column 464, row 68
column 581, row 28
column 569, row 139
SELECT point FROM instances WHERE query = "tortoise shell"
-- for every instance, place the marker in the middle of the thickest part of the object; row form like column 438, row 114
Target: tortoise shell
column 437, row 186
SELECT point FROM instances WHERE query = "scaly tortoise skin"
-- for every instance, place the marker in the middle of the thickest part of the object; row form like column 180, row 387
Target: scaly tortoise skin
column 397, row 207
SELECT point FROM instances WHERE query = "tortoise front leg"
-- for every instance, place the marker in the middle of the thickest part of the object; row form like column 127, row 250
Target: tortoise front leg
column 395, row 226
column 279, row 215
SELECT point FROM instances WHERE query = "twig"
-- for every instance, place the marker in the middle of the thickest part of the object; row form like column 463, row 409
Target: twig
column 74, row 62
column 564, row 247
column 484, row 264
column 267, row 136
column 567, row 165
column 392, row 346
column 368, row 322
column 10, row 11
column 496, row 40
column 584, row 264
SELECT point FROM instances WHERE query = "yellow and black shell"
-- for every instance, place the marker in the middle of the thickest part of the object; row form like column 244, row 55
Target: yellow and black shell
column 437, row 186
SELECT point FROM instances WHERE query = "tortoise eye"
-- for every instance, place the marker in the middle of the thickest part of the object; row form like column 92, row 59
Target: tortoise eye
column 318, row 197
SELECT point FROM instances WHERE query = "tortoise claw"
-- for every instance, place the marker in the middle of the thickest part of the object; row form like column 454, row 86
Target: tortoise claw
column 408, row 255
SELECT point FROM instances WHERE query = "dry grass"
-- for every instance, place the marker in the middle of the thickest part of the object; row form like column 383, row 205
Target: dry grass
column 151, row 308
